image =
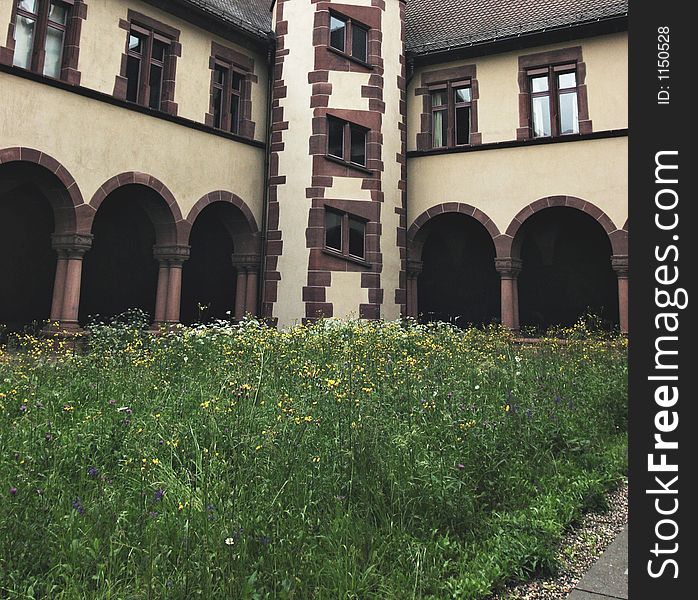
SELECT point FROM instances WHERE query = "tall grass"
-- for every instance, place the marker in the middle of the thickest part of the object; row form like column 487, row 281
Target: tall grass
column 357, row 460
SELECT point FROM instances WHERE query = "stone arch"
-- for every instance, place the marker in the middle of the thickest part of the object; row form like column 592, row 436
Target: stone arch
column 244, row 230
column 58, row 186
column 416, row 235
column 167, row 218
column 508, row 246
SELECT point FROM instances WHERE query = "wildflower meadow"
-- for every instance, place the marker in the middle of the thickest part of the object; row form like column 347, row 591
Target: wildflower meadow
column 335, row 460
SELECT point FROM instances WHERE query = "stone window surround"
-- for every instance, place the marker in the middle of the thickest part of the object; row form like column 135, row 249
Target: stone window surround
column 447, row 76
column 564, row 56
column 167, row 103
column 71, row 43
column 243, row 64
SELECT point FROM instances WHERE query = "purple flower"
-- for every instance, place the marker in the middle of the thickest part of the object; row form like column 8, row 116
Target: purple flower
column 558, row 399
column 159, row 495
column 112, row 402
column 77, row 505
column 461, row 466
column 49, row 436
column 92, row 472
column 13, row 491
column 529, row 413
column 23, row 408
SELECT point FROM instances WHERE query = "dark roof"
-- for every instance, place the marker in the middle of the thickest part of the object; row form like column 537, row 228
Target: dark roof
column 252, row 15
column 434, row 25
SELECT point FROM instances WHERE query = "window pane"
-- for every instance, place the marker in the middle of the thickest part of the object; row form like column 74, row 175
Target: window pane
column 359, row 43
column 462, row 126
column 135, row 43
column 335, row 135
column 58, row 13
column 219, row 74
column 358, row 146
column 29, row 5
column 155, row 86
column 24, row 40
column 440, row 128
column 569, row 116
column 337, row 33
column 539, row 84
column 438, row 99
column 462, row 94
column 541, row 116
column 159, row 49
column 357, row 234
column 133, row 69
column 217, row 107
column 235, row 114
column 54, row 50
column 566, row 80
column 237, row 81
column 333, row 230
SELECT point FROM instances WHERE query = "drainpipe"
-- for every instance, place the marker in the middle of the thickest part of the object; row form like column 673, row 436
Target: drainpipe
column 271, row 60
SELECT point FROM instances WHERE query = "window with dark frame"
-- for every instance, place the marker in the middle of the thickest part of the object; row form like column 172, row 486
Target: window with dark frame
column 40, row 34
column 146, row 66
column 345, row 234
column 451, row 114
column 227, row 96
column 346, row 141
column 349, row 37
column 554, row 104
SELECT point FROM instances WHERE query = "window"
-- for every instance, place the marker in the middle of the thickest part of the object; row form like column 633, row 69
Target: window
column 40, row 34
column 554, row 107
column 345, row 234
column 146, row 66
column 346, row 141
column 451, row 114
column 349, row 37
column 226, row 98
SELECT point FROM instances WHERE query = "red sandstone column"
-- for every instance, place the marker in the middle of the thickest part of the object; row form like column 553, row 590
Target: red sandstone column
column 414, row 270
column 509, row 269
column 240, row 292
column 169, row 290
column 251, row 301
column 620, row 266
column 71, row 250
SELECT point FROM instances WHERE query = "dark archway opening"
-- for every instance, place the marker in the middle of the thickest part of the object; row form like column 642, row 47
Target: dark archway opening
column 459, row 282
column 119, row 272
column 27, row 259
column 567, row 272
column 208, row 277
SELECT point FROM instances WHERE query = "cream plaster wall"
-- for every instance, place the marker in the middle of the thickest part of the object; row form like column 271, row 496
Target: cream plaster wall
column 606, row 59
column 295, row 162
column 5, row 15
column 392, row 146
column 96, row 141
column 502, row 182
column 102, row 44
column 346, row 294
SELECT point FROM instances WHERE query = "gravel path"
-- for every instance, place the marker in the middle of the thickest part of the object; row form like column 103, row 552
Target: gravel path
column 577, row 552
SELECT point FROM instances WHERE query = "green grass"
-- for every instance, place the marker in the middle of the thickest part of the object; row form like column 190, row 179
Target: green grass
column 359, row 460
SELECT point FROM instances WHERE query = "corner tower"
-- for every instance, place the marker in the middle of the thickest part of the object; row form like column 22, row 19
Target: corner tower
column 337, row 194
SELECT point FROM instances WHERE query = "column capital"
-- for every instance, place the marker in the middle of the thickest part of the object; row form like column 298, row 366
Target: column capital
column 414, row 268
column 173, row 255
column 619, row 263
column 71, row 245
column 247, row 262
column 508, row 268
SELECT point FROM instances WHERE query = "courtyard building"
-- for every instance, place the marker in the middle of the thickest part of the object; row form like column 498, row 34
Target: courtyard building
column 456, row 160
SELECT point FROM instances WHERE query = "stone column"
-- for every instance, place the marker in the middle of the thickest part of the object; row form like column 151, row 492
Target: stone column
column 509, row 269
column 619, row 263
column 414, row 270
column 169, row 290
column 247, row 267
column 71, row 249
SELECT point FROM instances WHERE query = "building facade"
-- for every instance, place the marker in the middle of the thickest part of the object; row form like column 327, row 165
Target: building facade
column 199, row 159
